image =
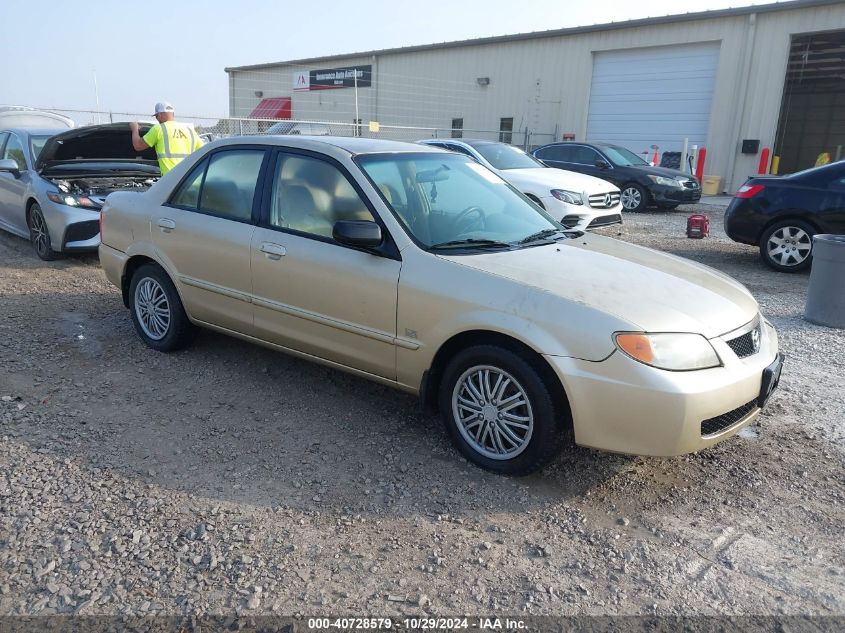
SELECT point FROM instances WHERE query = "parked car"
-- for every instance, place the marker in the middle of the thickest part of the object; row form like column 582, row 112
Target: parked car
column 422, row 270
column 781, row 214
column 576, row 201
column 53, row 183
column 299, row 128
column 14, row 117
column 641, row 184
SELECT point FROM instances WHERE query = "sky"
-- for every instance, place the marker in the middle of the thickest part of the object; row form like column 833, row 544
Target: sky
column 177, row 51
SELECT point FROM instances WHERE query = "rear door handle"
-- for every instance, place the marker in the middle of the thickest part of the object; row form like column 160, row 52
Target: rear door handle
column 166, row 225
column 273, row 251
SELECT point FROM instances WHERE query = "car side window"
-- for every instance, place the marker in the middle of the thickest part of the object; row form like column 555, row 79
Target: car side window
column 561, row 153
column 585, row 155
column 310, row 195
column 230, row 181
column 14, row 151
column 188, row 193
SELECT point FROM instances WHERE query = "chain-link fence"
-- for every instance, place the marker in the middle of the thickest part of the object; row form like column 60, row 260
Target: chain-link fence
column 214, row 128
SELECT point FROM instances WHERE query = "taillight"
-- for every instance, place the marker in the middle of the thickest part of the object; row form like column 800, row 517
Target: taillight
column 749, row 191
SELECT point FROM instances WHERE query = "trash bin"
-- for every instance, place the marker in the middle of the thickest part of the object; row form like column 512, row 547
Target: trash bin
column 825, row 299
column 710, row 185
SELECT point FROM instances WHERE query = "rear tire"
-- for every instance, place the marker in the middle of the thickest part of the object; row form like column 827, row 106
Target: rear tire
column 39, row 234
column 787, row 246
column 499, row 411
column 634, row 198
column 157, row 311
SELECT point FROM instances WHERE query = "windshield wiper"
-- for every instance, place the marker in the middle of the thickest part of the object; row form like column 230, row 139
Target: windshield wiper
column 471, row 243
column 539, row 235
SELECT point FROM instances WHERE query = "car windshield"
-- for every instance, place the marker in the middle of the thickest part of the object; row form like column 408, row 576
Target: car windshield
column 450, row 201
column 503, row 156
column 622, row 157
column 36, row 144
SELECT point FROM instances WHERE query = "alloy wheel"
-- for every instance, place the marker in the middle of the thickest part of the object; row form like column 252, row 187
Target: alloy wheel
column 789, row 246
column 152, row 308
column 39, row 232
column 492, row 412
column 631, row 198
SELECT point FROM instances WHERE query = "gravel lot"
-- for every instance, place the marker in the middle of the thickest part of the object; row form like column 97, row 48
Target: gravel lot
column 229, row 478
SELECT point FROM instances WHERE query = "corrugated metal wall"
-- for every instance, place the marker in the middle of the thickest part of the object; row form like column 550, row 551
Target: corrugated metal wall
column 544, row 84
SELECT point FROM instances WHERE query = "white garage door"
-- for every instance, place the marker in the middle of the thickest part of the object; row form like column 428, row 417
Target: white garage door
column 653, row 96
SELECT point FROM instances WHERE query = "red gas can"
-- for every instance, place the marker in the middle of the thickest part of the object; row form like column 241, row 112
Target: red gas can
column 698, row 226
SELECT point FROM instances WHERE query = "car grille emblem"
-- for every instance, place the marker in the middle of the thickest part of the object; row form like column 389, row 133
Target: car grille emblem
column 755, row 339
column 607, row 200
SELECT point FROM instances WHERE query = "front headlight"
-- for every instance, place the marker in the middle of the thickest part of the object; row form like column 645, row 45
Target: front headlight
column 676, row 352
column 570, row 197
column 669, row 182
column 72, row 200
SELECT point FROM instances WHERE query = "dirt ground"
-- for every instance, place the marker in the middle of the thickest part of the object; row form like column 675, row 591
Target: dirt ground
column 232, row 479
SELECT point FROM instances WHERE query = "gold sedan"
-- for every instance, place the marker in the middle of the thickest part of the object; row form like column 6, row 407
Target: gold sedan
column 423, row 270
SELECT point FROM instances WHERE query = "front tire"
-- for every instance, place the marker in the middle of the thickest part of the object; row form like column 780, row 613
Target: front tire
column 787, row 246
column 39, row 235
column 499, row 411
column 634, row 198
column 157, row 312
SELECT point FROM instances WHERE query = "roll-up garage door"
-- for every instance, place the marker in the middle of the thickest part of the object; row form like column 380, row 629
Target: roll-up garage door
column 653, row 96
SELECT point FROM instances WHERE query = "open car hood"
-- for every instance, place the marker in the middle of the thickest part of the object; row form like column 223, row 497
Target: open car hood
column 110, row 143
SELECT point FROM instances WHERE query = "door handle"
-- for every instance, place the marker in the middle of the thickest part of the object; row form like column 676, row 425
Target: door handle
column 166, row 225
column 273, row 251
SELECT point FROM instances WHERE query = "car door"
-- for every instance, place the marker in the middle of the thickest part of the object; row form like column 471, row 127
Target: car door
column 203, row 234
column 13, row 187
column 311, row 293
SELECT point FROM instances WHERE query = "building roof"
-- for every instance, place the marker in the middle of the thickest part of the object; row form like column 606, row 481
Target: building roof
column 791, row 5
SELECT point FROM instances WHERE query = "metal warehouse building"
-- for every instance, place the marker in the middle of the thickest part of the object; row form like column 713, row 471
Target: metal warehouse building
column 770, row 74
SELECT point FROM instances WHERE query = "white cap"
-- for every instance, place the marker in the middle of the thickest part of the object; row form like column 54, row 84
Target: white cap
column 163, row 106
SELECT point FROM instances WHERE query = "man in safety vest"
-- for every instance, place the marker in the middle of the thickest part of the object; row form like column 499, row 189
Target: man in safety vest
column 171, row 140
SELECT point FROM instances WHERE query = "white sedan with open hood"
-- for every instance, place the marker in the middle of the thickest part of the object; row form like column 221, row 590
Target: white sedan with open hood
column 423, row 270
column 53, row 183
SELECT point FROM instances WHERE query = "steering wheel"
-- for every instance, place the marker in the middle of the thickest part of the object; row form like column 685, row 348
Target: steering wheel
column 461, row 217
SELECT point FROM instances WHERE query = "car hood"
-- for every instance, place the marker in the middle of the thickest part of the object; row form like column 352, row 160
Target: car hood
column 112, row 142
column 653, row 291
column 556, row 179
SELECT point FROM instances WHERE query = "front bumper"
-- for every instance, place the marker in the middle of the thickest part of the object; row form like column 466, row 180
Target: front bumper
column 72, row 229
column 582, row 217
column 674, row 195
column 624, row 406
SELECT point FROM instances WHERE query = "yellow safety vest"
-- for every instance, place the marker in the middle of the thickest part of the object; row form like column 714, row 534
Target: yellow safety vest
column 172, row 142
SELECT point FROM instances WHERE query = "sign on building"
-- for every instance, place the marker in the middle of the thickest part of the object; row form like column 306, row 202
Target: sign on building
column 331, row 78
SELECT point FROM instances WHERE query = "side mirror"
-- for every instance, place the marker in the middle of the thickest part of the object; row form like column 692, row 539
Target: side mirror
column 9, row 165
column 602, row 164
column 362, row 233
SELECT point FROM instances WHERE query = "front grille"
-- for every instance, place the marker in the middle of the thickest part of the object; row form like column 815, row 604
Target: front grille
column 605, row 220
column 604, row 200
column 82, row 231
column 720, row 423
column 743, row 346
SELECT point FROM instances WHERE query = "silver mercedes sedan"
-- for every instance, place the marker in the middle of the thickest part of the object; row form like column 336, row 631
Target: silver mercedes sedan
column 423, row 270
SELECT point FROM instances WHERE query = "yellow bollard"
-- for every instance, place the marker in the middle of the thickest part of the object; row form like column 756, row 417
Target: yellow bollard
column 775, row 165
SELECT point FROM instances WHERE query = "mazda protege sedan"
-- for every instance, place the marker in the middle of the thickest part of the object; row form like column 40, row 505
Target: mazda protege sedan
column 421, row 269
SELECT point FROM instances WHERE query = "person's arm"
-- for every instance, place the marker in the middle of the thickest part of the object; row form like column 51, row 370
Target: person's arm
column 137, row 142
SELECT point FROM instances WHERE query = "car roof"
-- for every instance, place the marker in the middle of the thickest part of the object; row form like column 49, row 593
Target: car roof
column 41, row 131
column 351, row 145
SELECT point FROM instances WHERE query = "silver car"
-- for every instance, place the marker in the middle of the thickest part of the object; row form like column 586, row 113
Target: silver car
column 53, row 182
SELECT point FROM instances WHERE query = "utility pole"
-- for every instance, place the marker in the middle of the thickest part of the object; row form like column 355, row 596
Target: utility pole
column 96, row 95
